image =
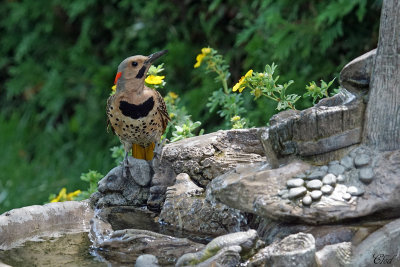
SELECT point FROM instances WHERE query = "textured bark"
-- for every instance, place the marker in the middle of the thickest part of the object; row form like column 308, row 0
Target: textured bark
column 382, row 124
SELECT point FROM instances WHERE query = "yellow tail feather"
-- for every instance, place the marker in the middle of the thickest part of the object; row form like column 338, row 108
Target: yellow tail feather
column 140, row 152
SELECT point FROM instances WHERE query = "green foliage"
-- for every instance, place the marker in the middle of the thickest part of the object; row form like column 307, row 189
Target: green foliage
column 185, row 130
column 265, row 84
column 318, row 92
column 227, row 104
column 91, row 177
column 59, row 58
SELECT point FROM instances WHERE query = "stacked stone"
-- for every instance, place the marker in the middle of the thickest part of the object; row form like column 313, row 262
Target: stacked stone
column 320, row 181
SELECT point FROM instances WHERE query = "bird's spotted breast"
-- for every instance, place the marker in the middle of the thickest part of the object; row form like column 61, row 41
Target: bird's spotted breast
column 136, row 111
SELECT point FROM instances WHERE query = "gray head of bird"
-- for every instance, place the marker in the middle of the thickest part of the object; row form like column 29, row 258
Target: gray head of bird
column 132, row 71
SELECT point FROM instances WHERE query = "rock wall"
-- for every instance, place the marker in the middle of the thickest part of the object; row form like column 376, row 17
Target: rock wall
column 334, row 123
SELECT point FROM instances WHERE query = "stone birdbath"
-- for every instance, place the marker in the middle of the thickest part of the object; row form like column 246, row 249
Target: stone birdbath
column 318, row 187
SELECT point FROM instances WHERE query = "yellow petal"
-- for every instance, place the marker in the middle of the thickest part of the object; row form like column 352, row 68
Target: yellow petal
column 199, row 59
column 241, row 89
column 173, row 95
column 206, row 50
column 249, row 73
column 113, row 88
column 71, row 195
column 153, row 79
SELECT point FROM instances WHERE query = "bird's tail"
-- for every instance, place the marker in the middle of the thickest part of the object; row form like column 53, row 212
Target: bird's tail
column 140, row 152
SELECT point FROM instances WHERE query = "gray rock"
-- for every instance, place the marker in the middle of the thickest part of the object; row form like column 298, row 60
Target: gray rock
column 146, row 260
column 327, row 189
column 340, row 178
column 240, row 189
column 317, row 174
column 347, row 162
column 329, row 179
column 316, row 194
column 283, row 192
column 314, row 184
column 336, row 169
column 356, row 75
column 295, row 183
column 16, row 226
column 204, row 158
column 382, row 246
column 323, row 168
column 382, row 195
column 366, row 175
column 301, row 176
column 332, row 124
column 244, row 240
column 297, row 192
column 355, row 191
column 335, row 255
column 361, row 160
column 297, row 250
column 346, row 196
column 227, row 256
column 307, row 200
column 123, row 247
column 333, row 162
column 186, row 208
column 140, row 171
column 119, row 189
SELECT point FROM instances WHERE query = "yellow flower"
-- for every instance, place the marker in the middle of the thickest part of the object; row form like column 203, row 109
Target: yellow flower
column 235, row 118
column 171, row 115
column 249, row 73
column 62, row 195
column 239, row 86
column 153, row 79
column 206, row 50
column 173, row 95
column 72, row 195
column 113, row 88
column 199, row 59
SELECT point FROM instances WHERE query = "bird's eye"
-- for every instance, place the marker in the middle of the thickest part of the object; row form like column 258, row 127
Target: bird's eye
column 134, row 63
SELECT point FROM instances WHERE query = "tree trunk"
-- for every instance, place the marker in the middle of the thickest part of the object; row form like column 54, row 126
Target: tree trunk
column 382, row 119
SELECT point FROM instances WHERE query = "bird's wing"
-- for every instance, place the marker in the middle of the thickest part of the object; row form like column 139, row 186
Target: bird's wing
column 162, row 109
column 108, row 110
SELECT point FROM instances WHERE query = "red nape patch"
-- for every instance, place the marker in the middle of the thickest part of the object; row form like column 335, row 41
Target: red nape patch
column 117, row 77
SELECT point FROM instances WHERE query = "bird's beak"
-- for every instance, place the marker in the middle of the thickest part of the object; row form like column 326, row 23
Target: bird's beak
column 153, row 57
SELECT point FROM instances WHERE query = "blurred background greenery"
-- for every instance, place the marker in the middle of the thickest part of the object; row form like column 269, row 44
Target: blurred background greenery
column 58, row 61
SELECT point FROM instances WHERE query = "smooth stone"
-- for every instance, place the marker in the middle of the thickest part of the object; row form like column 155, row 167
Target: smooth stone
column 316, row 194
column 285, row 196
column 301, row 176
column 346, row 196
column 326, row 189
column 329, row 179
column 318, row 174
column 336, row 169
column 323, row 168
column 355, row 191
column 334, row 162
column 361, row 160
column 283, row 192
column 340, row 178
column 366, row 175
column 314, row 184
column 297, row 192
column 146, row 260
column 295, row 182
column 347, row 162
column 307, row 200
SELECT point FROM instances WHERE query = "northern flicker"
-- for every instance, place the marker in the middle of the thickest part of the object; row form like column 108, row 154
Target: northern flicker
column 136, row 113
